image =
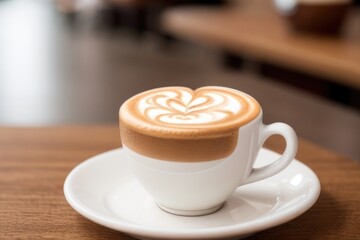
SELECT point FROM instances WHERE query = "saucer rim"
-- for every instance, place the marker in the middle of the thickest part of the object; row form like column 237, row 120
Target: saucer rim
column 241, row 229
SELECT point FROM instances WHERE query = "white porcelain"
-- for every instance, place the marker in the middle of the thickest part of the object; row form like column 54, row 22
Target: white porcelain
column 197, row 188
column 104, row 190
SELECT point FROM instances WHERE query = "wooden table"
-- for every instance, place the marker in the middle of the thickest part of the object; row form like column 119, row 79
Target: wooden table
column 255, row 30
column 34, row 163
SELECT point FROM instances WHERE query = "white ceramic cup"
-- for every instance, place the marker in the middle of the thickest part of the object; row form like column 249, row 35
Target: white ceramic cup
column 198, row 188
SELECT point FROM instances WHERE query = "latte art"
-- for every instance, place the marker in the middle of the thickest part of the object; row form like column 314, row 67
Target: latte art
column 180, row 112
column 162, row 123
column 180, row 106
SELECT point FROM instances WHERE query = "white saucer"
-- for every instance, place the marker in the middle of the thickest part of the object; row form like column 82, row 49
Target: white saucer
column 104, row 190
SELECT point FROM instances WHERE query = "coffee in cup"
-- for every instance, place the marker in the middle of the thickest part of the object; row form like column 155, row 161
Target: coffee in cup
column 315, row 16
column 190, row 149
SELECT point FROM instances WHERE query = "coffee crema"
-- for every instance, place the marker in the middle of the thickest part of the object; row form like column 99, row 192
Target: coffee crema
column 178, row 123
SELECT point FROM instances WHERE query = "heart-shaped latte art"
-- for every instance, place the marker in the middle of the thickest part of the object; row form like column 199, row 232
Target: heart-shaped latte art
column 183, row 112
column 187, row 107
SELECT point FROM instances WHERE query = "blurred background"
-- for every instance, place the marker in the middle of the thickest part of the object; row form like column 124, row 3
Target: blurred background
column 76, row 61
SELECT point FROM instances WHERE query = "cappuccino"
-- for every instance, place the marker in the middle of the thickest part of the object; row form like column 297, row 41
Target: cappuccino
column 180, row 141
column 179, row 118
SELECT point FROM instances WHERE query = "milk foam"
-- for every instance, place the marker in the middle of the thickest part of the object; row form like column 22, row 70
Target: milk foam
column 183, row 113
column 181, row 124
column 179, row 106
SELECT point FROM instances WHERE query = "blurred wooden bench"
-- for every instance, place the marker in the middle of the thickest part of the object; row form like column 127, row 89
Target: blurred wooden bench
column 256, row 31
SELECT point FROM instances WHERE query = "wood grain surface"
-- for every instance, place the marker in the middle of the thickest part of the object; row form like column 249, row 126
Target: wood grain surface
column 255, row 30
column 34, row 163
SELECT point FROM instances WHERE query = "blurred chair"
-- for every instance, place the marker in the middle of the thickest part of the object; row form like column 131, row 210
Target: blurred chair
column 143, row 15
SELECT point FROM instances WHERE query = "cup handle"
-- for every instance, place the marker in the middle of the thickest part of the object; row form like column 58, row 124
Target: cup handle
column 282, row 162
